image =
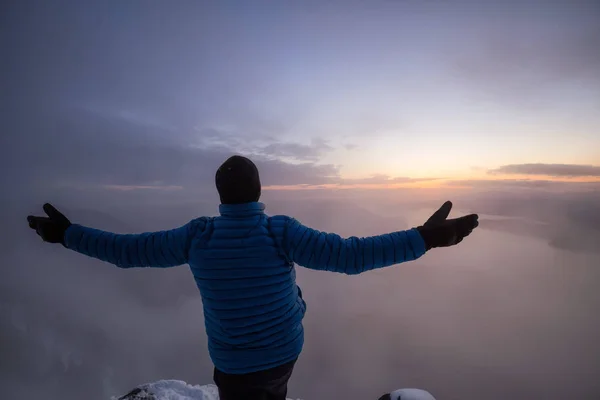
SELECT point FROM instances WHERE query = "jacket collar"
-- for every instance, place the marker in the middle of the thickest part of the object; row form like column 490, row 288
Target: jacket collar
column 242, row 210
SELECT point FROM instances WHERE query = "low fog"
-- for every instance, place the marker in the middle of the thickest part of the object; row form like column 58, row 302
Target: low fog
column 510, row 312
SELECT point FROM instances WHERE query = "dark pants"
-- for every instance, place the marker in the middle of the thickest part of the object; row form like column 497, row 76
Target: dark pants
column 270, row 384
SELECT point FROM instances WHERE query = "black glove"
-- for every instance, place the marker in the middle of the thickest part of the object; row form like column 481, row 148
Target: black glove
column 441, row 232
column 52, row 228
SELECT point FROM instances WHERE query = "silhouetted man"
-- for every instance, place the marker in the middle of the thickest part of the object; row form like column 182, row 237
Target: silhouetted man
column 243, row 264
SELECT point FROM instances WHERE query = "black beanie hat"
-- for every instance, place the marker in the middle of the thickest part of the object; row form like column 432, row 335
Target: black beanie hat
column 238, row 181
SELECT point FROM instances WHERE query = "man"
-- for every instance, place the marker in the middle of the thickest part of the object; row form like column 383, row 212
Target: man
column 243, row 264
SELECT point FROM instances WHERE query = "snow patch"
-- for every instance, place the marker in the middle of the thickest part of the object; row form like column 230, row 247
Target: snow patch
column 171, row 390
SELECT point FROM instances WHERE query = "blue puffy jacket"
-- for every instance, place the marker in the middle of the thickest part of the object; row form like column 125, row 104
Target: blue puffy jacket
column 243, row 264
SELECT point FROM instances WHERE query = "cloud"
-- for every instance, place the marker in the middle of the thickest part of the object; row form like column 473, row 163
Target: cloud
column 495, row 189
column 332, row 181
column 555, row 170
column 92, row 149
column 538, row 55
column 383, row 179
column 527, row 183
column 265, row 145
column 142, row 187
column 296, row 151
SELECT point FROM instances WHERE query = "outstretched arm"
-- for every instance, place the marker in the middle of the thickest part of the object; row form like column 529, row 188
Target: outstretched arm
column 151, row 249
column 330, row 252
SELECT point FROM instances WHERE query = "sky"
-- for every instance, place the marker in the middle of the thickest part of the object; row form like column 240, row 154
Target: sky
column 332, row 92
column 363, row 117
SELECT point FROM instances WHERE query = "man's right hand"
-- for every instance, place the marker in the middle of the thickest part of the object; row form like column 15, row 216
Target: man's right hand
column 439, row 231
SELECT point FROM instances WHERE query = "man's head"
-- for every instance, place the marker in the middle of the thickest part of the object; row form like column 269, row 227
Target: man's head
column 238, row 181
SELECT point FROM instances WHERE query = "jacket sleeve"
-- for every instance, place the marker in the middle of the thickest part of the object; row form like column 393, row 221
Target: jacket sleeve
column 329, row 252
column 160, row 249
